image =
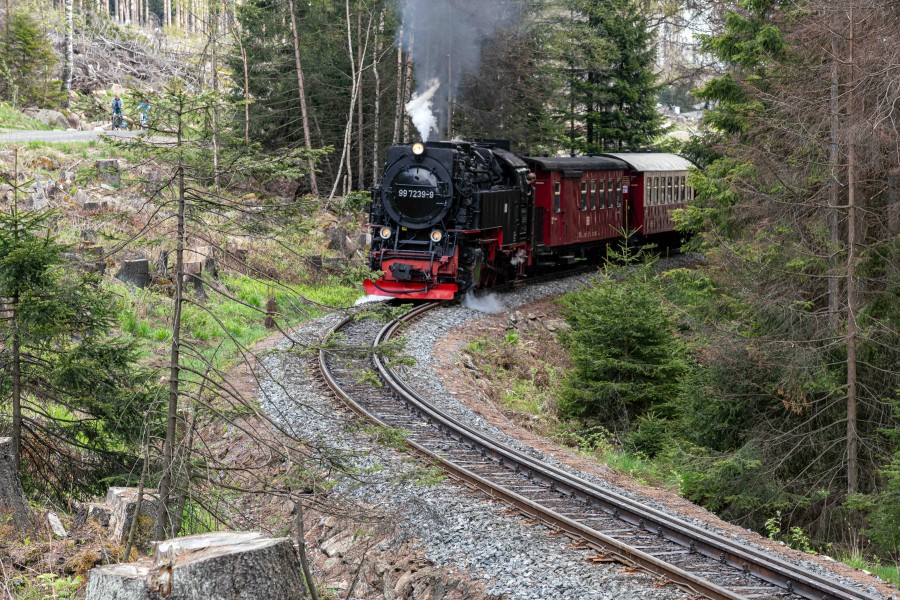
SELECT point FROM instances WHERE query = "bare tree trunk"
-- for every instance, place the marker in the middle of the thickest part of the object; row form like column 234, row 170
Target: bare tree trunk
column 213, row 16
column 345, row 153
column 70, row 53
column 163, row 519
column 834, row 233
column 301, row 547
column 361, row 166
column 852, row 299
column 235, row 32
column 304, row 114
column 377, row 124
column 407, row 90
column 401, row 76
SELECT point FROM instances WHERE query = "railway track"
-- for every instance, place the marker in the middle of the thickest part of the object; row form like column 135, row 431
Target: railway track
column 618, row 528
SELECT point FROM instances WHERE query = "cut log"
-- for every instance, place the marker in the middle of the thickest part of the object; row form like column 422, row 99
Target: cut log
column 209, row 566
column 12, row 498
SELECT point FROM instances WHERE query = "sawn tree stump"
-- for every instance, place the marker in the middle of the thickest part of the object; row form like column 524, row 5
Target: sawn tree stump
column 208, row 566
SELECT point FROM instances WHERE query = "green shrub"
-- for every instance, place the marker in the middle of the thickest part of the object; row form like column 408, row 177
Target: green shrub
column 625, row 356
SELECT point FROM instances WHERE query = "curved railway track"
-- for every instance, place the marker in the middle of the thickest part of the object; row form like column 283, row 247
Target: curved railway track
column 618, row 528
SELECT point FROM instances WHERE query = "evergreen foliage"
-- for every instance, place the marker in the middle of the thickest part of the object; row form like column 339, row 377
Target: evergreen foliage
column 626, row 358
column 607, row 54
column 80, row 388
column 799, row 196
column 27, row 63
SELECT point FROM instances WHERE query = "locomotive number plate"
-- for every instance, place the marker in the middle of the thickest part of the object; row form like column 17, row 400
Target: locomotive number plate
column 416, row 193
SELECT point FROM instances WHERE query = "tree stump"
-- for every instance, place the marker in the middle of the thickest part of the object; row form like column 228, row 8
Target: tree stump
column 109, row 171
column 135, row 272
column 209, row 566
column 12, row 498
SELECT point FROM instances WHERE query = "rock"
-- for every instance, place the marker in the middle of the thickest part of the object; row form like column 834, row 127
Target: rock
column 48, row 117
column 43, row 162
column 557, row 325
column 116, row 89
column 109, row 171
column 56, row 525
column 135, row 272
column 12, row 497
column 220, row 565
column 74, row 120
column 338, row 545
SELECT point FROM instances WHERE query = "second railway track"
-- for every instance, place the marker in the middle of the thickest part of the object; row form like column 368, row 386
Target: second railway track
column 617, row 527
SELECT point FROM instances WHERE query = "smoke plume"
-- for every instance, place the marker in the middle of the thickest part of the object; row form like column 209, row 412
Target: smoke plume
column 445, row 39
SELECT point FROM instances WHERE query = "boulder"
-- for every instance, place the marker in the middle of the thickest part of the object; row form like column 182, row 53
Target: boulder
column 52, row 118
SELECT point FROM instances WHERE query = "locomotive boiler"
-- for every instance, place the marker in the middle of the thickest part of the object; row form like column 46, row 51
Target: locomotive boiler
column 449, row 217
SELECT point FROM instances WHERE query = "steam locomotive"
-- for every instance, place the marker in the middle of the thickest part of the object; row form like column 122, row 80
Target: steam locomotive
column 450, row 217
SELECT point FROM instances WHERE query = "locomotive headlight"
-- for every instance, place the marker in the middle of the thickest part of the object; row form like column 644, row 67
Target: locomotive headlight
column 385, row 233
column 437, row 235
column 418, row 148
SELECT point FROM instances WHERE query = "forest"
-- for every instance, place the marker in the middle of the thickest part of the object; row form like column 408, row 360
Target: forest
column 762, row 383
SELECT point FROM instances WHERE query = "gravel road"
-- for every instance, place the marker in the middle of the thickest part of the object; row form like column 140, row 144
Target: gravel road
column 18, row 137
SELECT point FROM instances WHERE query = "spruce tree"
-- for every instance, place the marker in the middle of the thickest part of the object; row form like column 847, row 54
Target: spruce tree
column 69, row 389
column 607, row 55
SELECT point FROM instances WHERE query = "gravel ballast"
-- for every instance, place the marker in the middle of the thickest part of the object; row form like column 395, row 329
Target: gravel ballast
column 454, row 528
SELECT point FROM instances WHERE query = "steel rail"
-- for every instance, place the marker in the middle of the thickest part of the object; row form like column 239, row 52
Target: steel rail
column 594, row 539
column 772, row 570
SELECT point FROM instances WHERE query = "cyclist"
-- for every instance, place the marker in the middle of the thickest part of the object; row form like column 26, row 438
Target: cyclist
column 117, row 106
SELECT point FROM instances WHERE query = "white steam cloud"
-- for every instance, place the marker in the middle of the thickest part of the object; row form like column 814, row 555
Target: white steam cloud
column 445, row 39
column 489, row 304
column 420, row 110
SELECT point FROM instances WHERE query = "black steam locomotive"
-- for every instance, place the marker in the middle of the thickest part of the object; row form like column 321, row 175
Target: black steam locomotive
column 450, row 217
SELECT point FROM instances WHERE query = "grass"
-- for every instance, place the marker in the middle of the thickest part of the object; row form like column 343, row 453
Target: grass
column 218, row 327
column 889, row 573
column 10, row 118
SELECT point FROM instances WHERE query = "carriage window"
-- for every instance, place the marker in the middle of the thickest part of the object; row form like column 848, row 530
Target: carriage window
column 556, row 197
column 648, row 190
column 655, row 190
column 618, row 192
column 594, row 194
column 584, row 195
column 602, row 193
column 671, row 195
column 683, row 194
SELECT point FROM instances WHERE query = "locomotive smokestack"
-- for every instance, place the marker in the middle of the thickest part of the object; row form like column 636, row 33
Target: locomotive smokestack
column 445, row 39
